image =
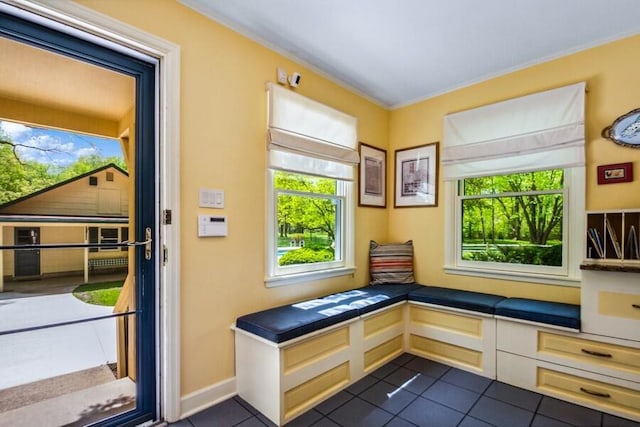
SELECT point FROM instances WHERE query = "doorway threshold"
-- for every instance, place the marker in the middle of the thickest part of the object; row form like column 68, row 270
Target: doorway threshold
column 79, row 408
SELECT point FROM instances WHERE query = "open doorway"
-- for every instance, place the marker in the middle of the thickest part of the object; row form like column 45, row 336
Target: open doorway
column 97, row 218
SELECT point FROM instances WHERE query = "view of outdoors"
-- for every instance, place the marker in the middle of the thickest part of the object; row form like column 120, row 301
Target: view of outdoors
column 34, row 158
column 57, row 337
column 307, row 208
column 513, row 218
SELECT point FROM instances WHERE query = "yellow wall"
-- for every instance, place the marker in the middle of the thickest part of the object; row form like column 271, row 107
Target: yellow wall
column 223, row 146
column 610, row 72
column 223, row 124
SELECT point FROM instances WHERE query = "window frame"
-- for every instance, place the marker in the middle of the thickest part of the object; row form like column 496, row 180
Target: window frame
column 281, row 276
column 573, row 242
column 101, row 239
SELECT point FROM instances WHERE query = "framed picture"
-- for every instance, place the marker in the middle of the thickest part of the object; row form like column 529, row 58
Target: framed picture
column 372, row 176
column 416, row 176
column 611, row 174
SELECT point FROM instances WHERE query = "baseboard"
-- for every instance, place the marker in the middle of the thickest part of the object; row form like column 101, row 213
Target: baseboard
column 207, row 397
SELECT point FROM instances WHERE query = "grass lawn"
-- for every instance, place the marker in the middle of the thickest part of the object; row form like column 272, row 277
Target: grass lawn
column 105, row 293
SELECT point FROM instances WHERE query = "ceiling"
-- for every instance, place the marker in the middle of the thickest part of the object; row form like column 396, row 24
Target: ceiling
column 68, row 84
column 397, row 52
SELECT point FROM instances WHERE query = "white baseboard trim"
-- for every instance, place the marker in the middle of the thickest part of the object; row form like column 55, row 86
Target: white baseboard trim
column 207, row 397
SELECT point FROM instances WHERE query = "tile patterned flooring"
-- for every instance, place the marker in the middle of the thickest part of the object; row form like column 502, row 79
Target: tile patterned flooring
column 411, row 391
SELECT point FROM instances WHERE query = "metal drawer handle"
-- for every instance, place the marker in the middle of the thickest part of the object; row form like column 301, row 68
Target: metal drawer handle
column 594, row 393
column 596, row 353
column 635, row 305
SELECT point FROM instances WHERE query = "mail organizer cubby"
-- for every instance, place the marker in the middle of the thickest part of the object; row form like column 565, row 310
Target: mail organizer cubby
column 612, row 236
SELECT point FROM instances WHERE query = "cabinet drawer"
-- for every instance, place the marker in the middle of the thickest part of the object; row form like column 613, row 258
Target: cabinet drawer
column 306, row 395
column 597, row 353
column 311, row 351
column 384, row 321
column 619, row 305
column 446, row 353
column 382, row 353
column 590, row 392
column 453, row 322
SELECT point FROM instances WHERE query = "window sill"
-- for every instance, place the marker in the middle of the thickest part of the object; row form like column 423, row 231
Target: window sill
column 292, row 279
column 516, row 277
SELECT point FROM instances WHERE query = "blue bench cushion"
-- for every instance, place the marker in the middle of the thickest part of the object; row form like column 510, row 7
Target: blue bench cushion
column 553, row 313
column 284, row 323
column 467, row 300
column 384, row 295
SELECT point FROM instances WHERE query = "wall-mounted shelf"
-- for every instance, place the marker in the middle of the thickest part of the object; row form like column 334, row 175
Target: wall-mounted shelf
column 613, row 240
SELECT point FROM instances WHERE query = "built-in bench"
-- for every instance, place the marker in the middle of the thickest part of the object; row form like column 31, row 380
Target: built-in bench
column 99, row 263
column 290, row 358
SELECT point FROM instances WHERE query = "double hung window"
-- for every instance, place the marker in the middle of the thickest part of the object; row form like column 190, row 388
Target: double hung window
column 310, row 204
column 514, row 177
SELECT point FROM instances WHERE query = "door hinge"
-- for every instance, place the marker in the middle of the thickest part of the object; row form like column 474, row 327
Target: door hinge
column 166, row 217
column 165, row 255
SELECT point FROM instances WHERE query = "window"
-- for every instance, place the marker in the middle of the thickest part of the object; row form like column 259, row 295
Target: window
column 514, row 186
column 109, row 235
column 516, row 219
column 310, row 202
column 309, row 217
column 519, row 225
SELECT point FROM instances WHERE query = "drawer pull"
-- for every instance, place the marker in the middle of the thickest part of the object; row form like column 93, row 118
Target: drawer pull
column 594, row 393
column 635, row 305
column 595, row 353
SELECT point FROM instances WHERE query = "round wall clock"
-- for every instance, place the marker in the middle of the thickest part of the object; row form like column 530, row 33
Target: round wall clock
column 625, row 130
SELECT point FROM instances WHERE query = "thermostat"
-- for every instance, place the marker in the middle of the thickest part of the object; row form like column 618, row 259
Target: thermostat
column 212, row 225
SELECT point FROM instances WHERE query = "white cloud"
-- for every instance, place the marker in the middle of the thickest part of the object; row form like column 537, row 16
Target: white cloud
column 88, row 151
column 14, row 130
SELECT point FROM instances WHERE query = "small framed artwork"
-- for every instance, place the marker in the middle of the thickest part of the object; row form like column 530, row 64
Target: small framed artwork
column 416, row 176
column 619, row 172
column 372, row 177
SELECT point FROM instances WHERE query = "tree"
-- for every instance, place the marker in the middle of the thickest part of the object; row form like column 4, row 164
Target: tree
column 542, row 213
column 18, row 178
column 514, row 207
column 304, row 211
column 87, row 164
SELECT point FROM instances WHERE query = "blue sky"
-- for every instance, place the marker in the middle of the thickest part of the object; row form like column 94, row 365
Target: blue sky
column 54, row 147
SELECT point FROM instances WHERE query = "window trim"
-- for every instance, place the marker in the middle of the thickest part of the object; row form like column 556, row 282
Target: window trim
column 274, row 277
column 573, row 250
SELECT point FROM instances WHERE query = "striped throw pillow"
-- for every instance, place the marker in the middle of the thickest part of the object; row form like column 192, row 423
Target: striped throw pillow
column 391, row 262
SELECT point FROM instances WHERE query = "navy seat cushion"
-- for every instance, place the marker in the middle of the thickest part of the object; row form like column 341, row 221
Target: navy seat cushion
column 287, row 322
column 393, row 292
column 554, row 313
column 467, row 300
column 284, row 323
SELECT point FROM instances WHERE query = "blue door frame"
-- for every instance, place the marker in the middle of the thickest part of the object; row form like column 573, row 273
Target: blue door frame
column 24, row 31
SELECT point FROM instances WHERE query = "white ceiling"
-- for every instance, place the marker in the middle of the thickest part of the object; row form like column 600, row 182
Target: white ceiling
column 397, row 52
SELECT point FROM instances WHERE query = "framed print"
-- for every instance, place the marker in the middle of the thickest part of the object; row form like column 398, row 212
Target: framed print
column 619, row 172
column 372, row 174
column 416, row 176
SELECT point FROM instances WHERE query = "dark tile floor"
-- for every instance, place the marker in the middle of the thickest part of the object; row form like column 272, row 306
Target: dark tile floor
column 411, row 391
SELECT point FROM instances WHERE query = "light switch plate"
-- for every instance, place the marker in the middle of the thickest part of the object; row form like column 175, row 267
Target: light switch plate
column 211, row 198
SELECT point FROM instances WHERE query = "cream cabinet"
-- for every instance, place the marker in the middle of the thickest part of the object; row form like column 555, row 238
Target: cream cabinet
column 283, row 380
column 611, row 303
column 590, row 370
column 460, row 338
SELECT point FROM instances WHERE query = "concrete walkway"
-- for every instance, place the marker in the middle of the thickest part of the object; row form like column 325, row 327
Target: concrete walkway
column 26, row 357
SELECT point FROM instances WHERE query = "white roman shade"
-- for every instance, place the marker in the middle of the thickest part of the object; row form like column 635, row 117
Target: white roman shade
column 535, row 132
column 308, row 137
